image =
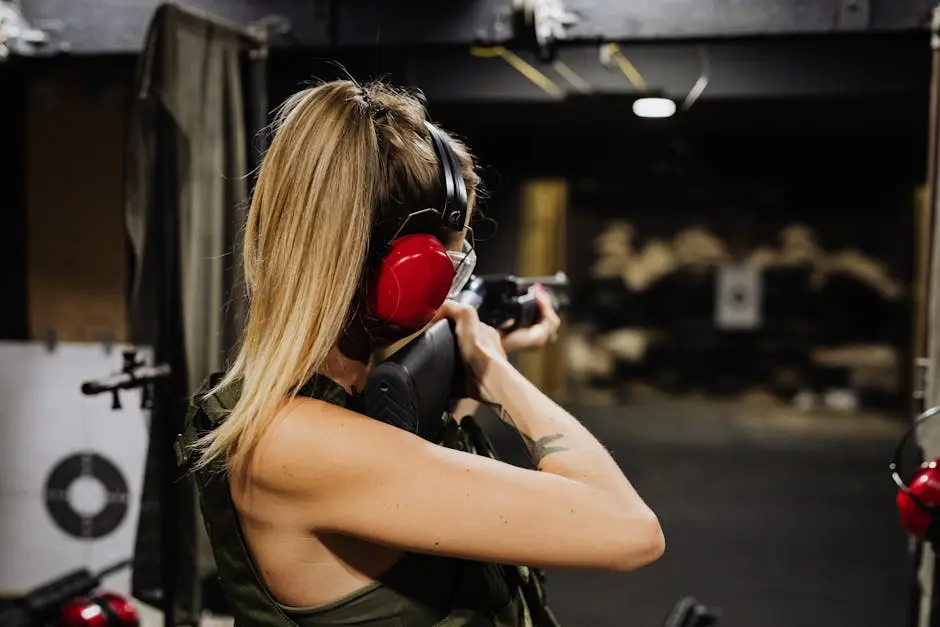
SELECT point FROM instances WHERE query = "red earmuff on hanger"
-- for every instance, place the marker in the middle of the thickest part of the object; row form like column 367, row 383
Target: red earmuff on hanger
column 416, row 272
column 103, row 610
column 918, row 499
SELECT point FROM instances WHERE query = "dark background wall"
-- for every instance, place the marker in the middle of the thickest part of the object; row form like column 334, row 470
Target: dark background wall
column 13, row 324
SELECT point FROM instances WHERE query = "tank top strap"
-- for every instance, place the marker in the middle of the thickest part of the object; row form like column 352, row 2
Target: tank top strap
column 323, row 388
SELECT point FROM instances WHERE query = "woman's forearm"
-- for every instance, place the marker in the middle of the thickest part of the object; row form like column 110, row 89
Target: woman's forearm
column 557, row 442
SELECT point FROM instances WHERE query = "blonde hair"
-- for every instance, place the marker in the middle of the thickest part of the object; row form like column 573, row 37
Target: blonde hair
column 346, row 163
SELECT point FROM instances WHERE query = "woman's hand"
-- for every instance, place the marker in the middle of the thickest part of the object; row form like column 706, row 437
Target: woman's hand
column 479, row 343
column 538, row 335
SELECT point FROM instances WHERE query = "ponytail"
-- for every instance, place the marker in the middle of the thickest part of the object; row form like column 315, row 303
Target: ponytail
column 306, row 239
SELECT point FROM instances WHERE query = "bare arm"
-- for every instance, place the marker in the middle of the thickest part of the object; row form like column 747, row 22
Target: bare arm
column 338, row 471
column 556, row 441
column 541, row 334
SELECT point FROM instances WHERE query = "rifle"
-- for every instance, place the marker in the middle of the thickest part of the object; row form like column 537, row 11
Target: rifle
column 415, row 386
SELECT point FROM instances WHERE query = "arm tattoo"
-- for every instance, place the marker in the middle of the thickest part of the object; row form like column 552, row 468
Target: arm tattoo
column 538, row 449
column 543, row 447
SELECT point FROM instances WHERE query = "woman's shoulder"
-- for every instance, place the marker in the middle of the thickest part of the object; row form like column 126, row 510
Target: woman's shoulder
column 312, row 443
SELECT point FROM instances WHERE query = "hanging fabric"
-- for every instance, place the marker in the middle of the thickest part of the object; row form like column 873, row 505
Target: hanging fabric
column 185, row 190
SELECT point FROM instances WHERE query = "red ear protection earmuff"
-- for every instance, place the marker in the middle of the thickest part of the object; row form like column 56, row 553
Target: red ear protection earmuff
column 412, row 282
column 918, row 499
column 416, row 273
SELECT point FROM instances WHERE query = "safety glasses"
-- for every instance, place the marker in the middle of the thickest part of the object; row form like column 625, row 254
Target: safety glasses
column 465, row 261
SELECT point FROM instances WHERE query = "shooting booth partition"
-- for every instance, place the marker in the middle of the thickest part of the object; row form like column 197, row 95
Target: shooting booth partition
column 195, row 134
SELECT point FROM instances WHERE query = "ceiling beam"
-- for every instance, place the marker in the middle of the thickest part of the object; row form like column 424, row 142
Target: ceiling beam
column 118, row 26
column 847, row 67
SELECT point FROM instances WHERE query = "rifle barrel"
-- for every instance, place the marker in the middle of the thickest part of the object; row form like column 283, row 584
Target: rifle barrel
column 559, row 280
column 556, row 281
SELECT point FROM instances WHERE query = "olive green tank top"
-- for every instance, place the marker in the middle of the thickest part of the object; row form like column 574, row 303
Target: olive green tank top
column 418, row 591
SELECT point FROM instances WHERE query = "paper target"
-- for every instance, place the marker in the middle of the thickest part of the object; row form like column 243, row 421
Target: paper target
column 738, row 299
column 86, row 495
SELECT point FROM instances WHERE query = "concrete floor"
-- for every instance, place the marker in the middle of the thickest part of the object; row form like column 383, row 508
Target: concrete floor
column 777, row 518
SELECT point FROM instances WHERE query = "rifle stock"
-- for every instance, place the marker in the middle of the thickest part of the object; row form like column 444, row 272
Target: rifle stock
column 411, row 389
column 415, row 386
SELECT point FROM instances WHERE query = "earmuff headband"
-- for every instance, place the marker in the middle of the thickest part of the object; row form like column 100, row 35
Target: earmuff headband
column 454, row 204
column 895, row 462
column 415, row 273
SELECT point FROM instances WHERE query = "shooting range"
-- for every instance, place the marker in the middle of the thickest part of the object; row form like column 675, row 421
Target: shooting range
column 733, row 204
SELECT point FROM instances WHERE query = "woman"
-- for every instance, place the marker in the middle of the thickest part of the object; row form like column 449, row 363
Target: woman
column 319, row 515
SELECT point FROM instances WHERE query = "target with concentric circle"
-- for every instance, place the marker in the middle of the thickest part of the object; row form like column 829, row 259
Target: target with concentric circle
column 86, row 496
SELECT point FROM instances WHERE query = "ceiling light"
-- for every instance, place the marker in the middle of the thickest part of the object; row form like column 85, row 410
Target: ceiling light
column 654, row 108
